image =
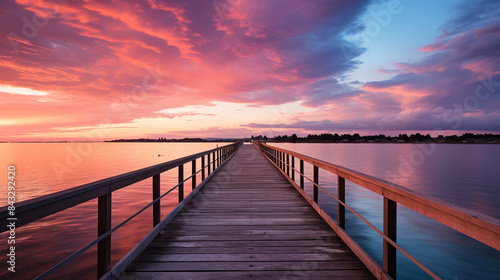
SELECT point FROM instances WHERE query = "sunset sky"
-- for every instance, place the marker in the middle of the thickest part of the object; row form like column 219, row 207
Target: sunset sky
column 101, row 70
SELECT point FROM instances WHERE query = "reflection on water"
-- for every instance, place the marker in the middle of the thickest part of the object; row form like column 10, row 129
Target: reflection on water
column 466, row 175
column 48, row 168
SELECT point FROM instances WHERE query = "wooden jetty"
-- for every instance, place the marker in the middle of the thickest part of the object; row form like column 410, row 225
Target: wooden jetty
column 247, row 222
column 249, row 217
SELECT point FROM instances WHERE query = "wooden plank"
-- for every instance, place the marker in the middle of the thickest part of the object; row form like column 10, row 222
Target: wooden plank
column 342, row 256
column 248, row 237
column 247, row 250
column 224, row 266
column 299, row 272
column 251, row 243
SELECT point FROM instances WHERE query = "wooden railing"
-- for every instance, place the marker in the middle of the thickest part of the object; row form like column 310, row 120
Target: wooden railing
column 482, row 228
column 35, row 209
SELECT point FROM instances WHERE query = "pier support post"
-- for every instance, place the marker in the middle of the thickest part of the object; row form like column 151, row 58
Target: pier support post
column 156, row 205
column 181, row 186
column 341, row 197
column 316, row 181
column 103, row 225
column 390, row 215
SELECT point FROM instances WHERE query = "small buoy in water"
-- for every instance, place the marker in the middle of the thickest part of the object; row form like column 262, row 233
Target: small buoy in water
column 159, row 155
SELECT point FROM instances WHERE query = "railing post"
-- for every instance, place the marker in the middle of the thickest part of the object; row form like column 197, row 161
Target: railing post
column 103, row 225
column 288, row 165
column 156, row 194
column 279, row 159
column 213, row 161
column 282, row 159
column 293, row 168
column 193, row 170
column 341, row 196
column 202, row 168
column 208, row 163
column 181, row 186
column 302, row 174
column 389, row 256
column 316, row 181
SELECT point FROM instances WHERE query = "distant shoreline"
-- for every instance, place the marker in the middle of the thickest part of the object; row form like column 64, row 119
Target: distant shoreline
column 466, row 138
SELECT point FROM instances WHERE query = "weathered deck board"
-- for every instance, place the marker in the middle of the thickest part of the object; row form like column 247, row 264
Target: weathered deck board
column 247, row 222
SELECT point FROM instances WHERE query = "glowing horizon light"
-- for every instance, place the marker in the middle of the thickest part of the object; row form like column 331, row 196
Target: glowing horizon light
column 22, row 91
column 6, row 122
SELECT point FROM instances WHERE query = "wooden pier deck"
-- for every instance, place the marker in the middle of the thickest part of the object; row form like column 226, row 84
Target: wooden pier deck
column 247, row 222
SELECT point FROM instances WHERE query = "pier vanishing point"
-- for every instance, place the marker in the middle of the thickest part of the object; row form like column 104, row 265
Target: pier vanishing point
column 250, row 217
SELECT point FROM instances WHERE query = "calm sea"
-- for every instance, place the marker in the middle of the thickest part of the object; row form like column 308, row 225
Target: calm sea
column 467, row 175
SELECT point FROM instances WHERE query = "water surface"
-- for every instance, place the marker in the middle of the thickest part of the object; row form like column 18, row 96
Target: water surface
column 467, row 175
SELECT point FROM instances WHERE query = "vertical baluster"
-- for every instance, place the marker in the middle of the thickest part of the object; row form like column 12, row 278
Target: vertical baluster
column 202, row 168
column 213, row 161
column 156, row 194
column 193, row 170
column 316, row 180
column 208, row 164
column 390, row 214
column 340, row 207
column 293, row 168
column 288, row 165
column 103, row 225
column 181, row 186
column 302, row 174
column 282, row 160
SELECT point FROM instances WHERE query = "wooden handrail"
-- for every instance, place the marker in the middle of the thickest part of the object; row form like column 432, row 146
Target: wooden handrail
column 478, row 226
column 37, row 208
column 40, row 207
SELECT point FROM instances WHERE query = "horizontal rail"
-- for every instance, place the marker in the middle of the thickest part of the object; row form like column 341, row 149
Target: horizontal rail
column 37, row 208
column 34, row 209
column 478, row 226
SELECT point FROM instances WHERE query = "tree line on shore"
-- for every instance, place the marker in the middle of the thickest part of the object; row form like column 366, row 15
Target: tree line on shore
column 381, row 138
